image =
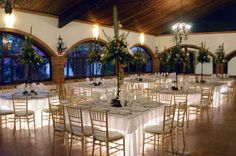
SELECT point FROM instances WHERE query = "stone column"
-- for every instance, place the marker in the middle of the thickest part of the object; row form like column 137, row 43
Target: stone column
column 58, row 68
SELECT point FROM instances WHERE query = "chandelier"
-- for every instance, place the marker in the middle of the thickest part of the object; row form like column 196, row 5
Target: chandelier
column 181, row 30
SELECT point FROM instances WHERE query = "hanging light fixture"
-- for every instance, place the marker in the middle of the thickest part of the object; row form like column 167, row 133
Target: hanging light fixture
column 9, row 17
column 141, row 39
column 181, row 30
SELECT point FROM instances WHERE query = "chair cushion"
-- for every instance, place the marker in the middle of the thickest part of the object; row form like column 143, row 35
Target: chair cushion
column 23, row 113
column 156, row 129
column 113, row 135
column 6, row 112
column 61, row 127
column 199, row 105
column 46, row 110
column 87, row 131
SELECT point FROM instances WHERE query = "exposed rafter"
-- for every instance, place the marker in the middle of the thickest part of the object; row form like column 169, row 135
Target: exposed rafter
column 76, row 11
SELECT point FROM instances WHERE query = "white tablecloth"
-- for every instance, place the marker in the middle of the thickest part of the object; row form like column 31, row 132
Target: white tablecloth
column 131, row 126
column 35, row 104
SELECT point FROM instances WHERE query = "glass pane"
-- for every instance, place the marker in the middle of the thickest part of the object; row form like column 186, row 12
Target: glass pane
column 0, row 70
column 87, row 68
column 19, row 71
column 1, row 43
column 43, row 71
column 7, row 70
column 13, row 43
column 110, row 69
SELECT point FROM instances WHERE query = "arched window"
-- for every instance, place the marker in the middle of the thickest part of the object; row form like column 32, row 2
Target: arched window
column 78, row 65
column 146, row 68
column 14, row 72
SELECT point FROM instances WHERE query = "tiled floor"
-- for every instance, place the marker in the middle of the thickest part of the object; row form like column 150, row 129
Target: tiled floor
column 215, row 137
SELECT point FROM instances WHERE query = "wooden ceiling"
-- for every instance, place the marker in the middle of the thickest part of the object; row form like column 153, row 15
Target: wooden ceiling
column 148, row 16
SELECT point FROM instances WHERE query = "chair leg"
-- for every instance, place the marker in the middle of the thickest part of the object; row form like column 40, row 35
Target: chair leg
column 107, row 150
column 93, row 147
column 70, row 145
column 143, row 144
column 42, row 119
column 82, row 145
column 20, row 122
column 49, row 118
column 34, row 122
column 154, row 142
column 162, row 145
column 28, row 125
column 53, row 141
column 14, row 124
column 100, row 148
column 124, row 145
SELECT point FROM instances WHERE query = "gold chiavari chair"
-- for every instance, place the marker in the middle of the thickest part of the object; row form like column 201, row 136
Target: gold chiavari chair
column 150, row 94
column 158, row 133
column 181, row 98
column 102, row 136
column 77, row 130
column 165, row 98
column 181, row 111
column 204, row 105
column 21, row 111
column 5, row 113
column 60, row 129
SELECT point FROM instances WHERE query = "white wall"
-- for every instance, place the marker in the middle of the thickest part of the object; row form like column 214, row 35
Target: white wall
column 45, row 28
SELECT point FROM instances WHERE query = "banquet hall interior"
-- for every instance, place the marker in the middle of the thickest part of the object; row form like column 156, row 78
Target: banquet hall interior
column 117, row 77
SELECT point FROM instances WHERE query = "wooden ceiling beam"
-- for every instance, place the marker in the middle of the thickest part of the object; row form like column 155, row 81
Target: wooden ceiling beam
column 76, row 11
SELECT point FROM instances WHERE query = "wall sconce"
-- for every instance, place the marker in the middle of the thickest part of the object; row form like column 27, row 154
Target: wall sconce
column 61, row 46
column 141, row 38
column 95, row 31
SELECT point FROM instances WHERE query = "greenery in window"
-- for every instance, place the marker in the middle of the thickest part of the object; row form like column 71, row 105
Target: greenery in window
column 29, row 56
column 139, row 59
column 220, row 54
column 203, row 57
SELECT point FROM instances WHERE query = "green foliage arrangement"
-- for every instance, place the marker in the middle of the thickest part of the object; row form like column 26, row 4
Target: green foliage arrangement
column 203, row 55
column 139, row 58
column 220, row 54
column 28, row 55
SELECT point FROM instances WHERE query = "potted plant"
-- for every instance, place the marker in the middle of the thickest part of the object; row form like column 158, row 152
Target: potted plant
column 139, row 60
column 220, row 59
column 203, row 57
column 117, row 53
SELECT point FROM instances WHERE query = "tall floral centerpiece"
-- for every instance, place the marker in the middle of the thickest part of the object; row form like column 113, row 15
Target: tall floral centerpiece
column 173, row 59
column 220, row 58
column 203, row 57
column 117, row 53
column 28, row 56
column 139, row 59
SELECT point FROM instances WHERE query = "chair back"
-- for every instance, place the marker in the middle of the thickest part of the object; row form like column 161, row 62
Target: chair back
column 99, row 121
column 20, row 103
column 181, row 97
column 54, row 99
column 165, row 98
column 168, row 118
column 181, row 110
column 75, row 119
column 58, row 117
column 206, row 95
column 149, row 93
